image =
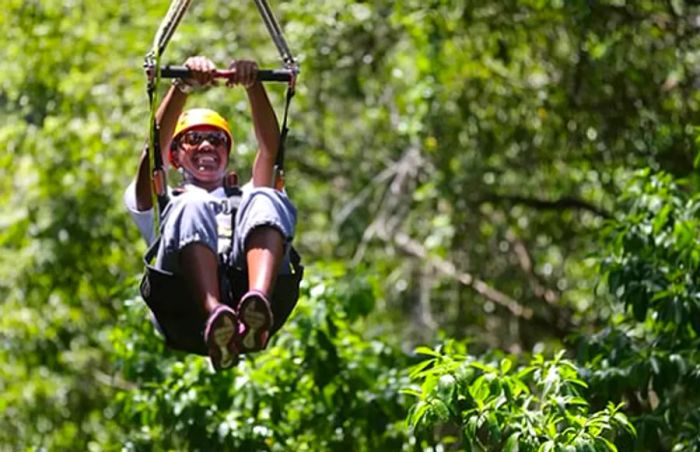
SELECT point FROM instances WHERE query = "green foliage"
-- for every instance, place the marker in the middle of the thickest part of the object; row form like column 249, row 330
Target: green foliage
column 649, row 356
column 491, row 405
column 67, row 126
column 654, row 256
column 457, row 158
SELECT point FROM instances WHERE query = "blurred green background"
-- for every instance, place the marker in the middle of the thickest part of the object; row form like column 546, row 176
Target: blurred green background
column 496, row 209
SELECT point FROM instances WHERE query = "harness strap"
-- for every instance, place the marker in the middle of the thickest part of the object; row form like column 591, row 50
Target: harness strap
column 234, row 194
column 279, row 163
column 152, row 251
column 167, row 27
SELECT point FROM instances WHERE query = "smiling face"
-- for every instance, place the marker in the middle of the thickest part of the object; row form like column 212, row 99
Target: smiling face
column 203, row 153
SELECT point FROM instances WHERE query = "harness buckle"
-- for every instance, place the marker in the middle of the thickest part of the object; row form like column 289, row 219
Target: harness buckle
column 149, row 66
column 159, row 183
column 279, row 178
column 231, row 180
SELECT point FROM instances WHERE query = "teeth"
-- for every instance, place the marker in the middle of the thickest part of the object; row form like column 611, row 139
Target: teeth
column 206, row 159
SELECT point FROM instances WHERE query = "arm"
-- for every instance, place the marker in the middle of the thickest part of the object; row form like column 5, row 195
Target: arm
column 268, row 134
column 166, row 117
column 265, row 122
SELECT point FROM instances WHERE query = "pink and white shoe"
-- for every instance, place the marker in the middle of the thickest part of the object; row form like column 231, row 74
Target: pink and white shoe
column 255, row 321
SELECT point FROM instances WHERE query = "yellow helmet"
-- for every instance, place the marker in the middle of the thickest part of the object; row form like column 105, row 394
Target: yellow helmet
column 197, row 117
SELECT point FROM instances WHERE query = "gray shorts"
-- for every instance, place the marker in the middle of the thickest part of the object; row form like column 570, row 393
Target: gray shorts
column 197, row 217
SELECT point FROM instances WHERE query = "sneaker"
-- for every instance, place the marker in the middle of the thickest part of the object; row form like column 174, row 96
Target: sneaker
column 256, row 321
column 220, row 337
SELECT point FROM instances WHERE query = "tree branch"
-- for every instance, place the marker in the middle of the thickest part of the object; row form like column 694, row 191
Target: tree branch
column 525, row 261
column 447, row 268
column 566, row 202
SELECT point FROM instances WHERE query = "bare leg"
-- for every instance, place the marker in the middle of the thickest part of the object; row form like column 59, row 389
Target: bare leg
column 264, row 250
column 200, row 267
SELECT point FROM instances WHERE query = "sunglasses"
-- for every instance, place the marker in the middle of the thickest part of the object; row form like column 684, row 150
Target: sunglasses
column 196, row 137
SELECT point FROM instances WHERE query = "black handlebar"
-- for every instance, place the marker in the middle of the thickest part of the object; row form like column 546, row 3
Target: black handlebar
column 264, row 75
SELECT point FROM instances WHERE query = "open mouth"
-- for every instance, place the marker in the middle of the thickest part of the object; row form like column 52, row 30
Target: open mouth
column 206, row 161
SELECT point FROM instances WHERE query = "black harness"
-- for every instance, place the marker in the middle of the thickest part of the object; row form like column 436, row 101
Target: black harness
column 181, row 319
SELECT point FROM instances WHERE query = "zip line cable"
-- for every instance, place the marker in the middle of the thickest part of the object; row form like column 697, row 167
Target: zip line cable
column 290, row 63
column 276, row 33
column 172, row 19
